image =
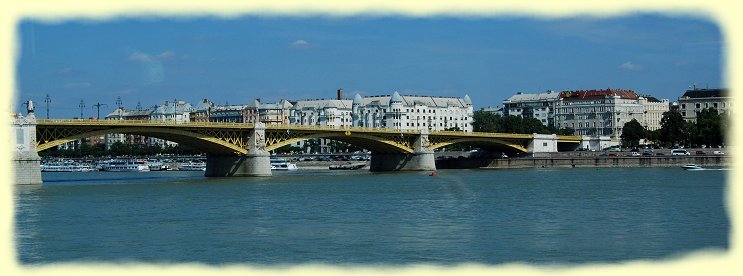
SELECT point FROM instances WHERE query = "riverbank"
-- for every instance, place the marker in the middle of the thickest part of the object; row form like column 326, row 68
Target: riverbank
column 583, row 161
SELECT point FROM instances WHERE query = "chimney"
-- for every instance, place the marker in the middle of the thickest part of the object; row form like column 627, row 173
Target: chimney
column 340, row 93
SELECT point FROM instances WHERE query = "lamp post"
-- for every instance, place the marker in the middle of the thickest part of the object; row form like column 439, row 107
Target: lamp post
column 98, row 106
column 47, row 100
column 82, row 106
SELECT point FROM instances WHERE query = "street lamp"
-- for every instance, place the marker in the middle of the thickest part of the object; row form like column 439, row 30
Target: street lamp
column 47, row 100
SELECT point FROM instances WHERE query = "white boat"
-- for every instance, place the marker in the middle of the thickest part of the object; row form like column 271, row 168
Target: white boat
column 692, row 167
column 191, row 166
column 282, row 165
column 157, row 165
column 66, row 167
column 125, row 166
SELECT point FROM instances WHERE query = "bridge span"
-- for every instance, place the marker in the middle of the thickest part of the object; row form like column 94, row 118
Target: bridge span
column 241, row 149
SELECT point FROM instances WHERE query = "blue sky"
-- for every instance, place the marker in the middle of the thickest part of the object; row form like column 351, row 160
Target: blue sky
column 151, row 60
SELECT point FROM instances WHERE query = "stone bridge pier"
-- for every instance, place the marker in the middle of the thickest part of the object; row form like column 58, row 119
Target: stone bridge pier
column 257, row 162
column 26, row 161
column 421, row 159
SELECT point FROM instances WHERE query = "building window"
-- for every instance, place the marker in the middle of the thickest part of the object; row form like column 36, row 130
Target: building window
column 697, row 105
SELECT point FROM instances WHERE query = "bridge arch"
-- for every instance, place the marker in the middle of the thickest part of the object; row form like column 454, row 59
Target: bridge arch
column 486, row 142
column 373, row 143
column 209, row 144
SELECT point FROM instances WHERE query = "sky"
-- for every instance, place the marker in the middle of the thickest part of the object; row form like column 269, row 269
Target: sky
column 234, row 60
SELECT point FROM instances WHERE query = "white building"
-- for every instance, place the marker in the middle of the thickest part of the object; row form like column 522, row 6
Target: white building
column 178, row 112
column 654, row 109
column 386, row 111
column 598, row 112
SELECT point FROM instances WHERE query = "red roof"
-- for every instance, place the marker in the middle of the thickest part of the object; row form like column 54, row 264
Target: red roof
column 597, row 94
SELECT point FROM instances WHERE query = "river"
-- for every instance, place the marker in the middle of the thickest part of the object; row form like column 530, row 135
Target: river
column 486, row 216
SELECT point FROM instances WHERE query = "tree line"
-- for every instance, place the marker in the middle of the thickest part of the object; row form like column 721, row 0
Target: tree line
column 484, row 121
column 709, row 129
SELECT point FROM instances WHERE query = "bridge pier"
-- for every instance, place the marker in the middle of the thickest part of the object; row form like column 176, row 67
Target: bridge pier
column 26, row 161
column 256, row 163
column 421, row 159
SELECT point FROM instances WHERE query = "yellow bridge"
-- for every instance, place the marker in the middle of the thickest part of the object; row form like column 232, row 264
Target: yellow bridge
column 234, row 138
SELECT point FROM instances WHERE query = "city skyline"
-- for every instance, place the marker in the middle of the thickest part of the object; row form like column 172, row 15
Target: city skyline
column 236, row 60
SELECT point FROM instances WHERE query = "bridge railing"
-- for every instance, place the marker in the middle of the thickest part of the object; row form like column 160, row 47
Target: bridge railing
column 140, row 122
column 287, row 127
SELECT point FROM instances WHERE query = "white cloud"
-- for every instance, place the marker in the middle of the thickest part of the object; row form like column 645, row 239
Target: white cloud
column 139, row 56
column 66, row 71
column 153, row 70
column 629, row 66
column 145, row 57
column 300, row 44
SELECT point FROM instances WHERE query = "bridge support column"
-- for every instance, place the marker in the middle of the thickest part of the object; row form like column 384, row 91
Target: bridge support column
column 26, row 161
column 256, row 163
column 420, row 160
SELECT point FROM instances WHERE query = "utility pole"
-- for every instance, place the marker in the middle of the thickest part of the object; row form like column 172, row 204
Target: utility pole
column 47, row 100
column 118, row 102
column 98, row 105
column 81, row 105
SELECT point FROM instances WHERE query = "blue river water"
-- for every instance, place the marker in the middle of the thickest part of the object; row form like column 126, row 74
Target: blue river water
column 536, row 216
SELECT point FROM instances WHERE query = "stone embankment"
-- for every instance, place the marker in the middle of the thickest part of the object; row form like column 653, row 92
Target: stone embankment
column 584, row 161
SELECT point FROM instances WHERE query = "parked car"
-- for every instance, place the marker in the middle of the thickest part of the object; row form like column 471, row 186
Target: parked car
column 635, row 153
column 659, row 154
column 679, row 152
column 717, row 152
column 699, row 152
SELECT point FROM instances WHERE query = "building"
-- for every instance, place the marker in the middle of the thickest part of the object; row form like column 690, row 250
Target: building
column 127, row 114
column 654, row 109
column 246, row 113
column 539, row 106
column 599, row 112
column 409, row 112
column 201, row 111
column 694, row 100
column 275, row 113
column 175, row 111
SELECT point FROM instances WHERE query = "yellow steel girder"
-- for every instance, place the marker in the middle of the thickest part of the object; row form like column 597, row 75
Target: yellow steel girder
column 174, row 134
column 442, row 143
column 273, row 142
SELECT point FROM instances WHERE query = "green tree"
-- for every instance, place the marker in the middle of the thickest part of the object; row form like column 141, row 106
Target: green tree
column 672, row 128
column 484, row 121
column 709, row 127
column 632, row 132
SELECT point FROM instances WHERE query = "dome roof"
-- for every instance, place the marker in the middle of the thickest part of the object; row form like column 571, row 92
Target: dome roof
column 396, row 98
column 357, row 99
column 467, row 99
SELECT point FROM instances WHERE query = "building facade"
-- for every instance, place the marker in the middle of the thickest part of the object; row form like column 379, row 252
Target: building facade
column 410, row 112
column 539, row 106
column 694, row 100
column 598, row 112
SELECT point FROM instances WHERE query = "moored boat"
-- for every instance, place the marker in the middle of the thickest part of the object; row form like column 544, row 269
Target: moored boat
column 66, row 167
column 282, row 165
column 193, row 166
column 125, row 166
